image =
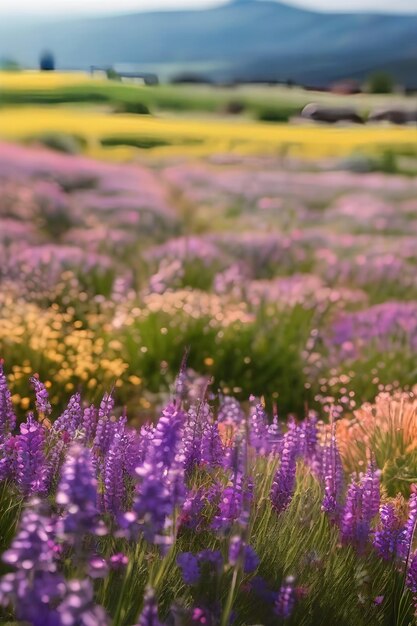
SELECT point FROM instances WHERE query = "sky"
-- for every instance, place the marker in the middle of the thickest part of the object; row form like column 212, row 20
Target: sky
column 71, row 7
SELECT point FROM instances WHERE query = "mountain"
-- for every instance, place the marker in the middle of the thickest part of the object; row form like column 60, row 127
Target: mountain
column 248, row 39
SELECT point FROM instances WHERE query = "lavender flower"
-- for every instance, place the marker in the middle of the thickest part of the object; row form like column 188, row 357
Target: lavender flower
column 78, row 606
column 166, row 437
column 239, row 550
column 114, row 488
column 36, row 588
column 7, row 414
column 118, row 561
column 258, row 435
column 285, row 602
column 212, row 450
column 411, row 579
column 362, row 504
column 149, row 615
column 410, row 526
column 332, row 476
column 77, row 494
column 152, row 505
column 31, row 466
column 71, row 418
column 190, row 570
column 89, row 423
column 229, row 508
column 284, row 480
column 389, row 536
column 104, row 428
column 43, row 406
column 8, row 458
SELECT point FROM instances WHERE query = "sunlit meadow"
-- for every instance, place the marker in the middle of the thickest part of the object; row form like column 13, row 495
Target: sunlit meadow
column 208, row 340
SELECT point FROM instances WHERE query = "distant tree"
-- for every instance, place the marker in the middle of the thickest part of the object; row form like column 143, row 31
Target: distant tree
column 112, row 74
column 47, row 61
column 381, row 82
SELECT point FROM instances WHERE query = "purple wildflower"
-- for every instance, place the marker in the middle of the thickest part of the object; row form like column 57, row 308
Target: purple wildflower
column 258, row 434
column 285, row 602
column 310, row 436
column 332, row 476
column 137, row 447
column 190, row 570
column 284, row 481
column 118, row 561
column 152, row 505
column 97, row 567
column 8, row 458
column 43, row 406
column 104, row 428
column 7, row 414
column 77, row 494
column 31, row 466
column 78, row 606
column 36, row 587
column 274, row 435
column 212, row 558
column 166, row 437
column 389, row 535
column 114, row 488
column 54, row 460
column 229, row 508
column 239, row 550
column 411, row 579
column 89, row 423
column 71, row 418
column 212, row 450
column 230, row 412
column 362, row 504
column 410, row 526
column 149, row 615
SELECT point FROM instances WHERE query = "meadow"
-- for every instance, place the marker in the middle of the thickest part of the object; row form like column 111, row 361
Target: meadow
column 208, row 339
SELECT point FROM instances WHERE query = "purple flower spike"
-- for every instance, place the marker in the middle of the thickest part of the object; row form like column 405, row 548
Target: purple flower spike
column 118, row 561
column 166, row 437
column 78, row 606
column 410, row 525
column 114, row 488
column 258, row 435
column 389, row 536
column 238, row 550
column 252, row 561
column 31, row 467
column 284, row 480
column 71, row 418
column 77, row 494
column 212, row 450
column 43, row 406
column 285, row 602
column 97, row 567
column 332, row 476
column 104, row 429
column 189, row 568
column 36, row 588
column 362, row 503
column 412, row 573
column 7, row 414
column 149, row 615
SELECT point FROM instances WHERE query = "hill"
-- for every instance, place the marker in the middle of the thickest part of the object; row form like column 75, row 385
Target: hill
column 259, row 39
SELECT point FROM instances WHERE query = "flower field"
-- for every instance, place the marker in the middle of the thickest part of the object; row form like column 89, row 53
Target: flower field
column 207, row 372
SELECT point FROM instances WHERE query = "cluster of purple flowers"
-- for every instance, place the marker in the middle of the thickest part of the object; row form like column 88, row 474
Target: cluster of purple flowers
column 104, row 477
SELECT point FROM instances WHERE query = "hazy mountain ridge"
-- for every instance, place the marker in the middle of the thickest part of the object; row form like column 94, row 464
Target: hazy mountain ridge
column 252, row 39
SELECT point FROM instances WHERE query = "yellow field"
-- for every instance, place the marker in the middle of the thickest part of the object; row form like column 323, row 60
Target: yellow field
column 28, row 80
column 201, row 136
